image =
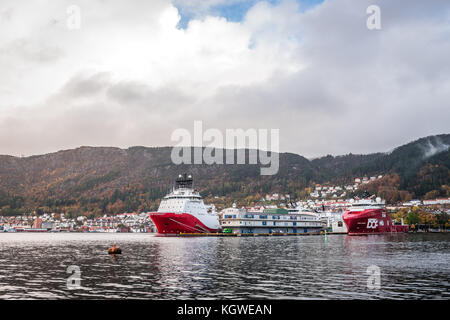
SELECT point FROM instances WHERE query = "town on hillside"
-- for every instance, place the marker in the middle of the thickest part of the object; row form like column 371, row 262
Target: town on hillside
column 423, row 212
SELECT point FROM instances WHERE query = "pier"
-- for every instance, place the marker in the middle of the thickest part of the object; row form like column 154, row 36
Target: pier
column 252, row 234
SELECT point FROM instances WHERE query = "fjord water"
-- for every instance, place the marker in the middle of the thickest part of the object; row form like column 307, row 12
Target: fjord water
column 412, row 266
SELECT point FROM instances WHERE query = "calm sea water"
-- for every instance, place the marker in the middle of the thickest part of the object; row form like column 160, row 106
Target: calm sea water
column 412, row 266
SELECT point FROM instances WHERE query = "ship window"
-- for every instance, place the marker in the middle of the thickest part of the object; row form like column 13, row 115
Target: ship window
column 339, row 223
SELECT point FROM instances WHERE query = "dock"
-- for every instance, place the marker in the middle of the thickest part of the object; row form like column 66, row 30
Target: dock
column 253, row 234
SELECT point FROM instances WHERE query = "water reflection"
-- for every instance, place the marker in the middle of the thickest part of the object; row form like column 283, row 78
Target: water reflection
column 412, row 266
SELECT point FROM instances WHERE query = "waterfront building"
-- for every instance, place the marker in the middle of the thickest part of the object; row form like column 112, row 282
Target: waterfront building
column 436, row 201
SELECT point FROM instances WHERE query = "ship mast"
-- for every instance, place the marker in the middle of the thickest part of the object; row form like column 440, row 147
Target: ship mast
column 184, row 181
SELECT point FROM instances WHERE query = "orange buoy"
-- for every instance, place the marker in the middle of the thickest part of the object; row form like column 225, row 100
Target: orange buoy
column 115, row 249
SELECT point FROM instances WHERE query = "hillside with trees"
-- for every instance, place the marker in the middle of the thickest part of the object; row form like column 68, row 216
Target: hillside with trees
column 99, row 180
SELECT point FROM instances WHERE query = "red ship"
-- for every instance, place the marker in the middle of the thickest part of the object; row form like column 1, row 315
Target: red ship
column 370, row 217
column 183, row 211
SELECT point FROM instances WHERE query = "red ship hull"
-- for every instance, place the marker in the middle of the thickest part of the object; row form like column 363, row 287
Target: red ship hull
column 176, row 223
column 371, row 221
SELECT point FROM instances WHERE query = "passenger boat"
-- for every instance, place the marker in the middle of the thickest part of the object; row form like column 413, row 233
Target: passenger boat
column 270, row 220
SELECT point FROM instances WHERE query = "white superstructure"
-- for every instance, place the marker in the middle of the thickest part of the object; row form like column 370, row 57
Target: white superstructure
column 269, row 220
column 363, row 204
column 184, row 200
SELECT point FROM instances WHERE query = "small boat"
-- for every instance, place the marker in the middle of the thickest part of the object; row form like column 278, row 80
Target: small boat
column 114, row 250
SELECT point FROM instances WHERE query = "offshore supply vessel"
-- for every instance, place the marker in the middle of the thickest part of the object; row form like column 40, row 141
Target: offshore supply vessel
column 367, row 216
column 183, row 211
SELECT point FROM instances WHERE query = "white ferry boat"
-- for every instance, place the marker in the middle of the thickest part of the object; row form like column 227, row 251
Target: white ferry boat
column 274, row 220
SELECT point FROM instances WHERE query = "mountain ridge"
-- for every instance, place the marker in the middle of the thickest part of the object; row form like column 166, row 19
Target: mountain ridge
column 110, row 179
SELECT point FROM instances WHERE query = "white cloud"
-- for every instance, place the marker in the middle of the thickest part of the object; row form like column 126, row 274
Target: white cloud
column 130, row 77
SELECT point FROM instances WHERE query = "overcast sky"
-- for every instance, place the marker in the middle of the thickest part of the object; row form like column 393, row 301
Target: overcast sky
column 137, row 70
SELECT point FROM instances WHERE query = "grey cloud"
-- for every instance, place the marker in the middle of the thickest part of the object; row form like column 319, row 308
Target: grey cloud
column 360, row 91
column 133, row 93
column 94, row 110
column 430, row 149
column 32, row 50
column 85, row 86
column 6, row 14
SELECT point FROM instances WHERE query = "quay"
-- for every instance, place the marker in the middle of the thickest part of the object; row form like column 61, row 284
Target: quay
column 253, row 234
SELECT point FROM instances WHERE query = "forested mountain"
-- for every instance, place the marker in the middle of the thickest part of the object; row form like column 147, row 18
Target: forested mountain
column 98, row 180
